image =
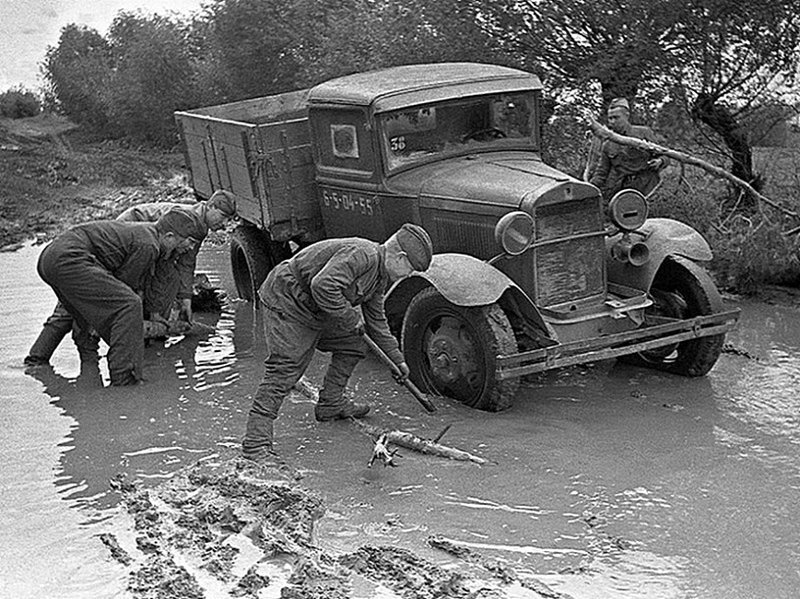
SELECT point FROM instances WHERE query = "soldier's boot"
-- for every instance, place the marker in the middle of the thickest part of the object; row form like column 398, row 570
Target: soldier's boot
column 257, row 443
column 332, row 405
column 55, row 328
column 88, row 343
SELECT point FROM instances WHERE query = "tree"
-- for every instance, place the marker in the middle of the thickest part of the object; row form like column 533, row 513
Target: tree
column 153, row 76
column 255, row 42
column 735, row 56
column 725, row 55
column 76, row 71
column 361, row 35
column 616, row 43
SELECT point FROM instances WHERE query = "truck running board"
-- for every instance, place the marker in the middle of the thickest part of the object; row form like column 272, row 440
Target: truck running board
column 657, row 332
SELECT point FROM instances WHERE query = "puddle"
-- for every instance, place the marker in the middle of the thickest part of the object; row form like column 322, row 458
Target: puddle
column 604, row 480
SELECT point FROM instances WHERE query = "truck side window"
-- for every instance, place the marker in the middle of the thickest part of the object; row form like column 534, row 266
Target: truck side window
column 344, row 141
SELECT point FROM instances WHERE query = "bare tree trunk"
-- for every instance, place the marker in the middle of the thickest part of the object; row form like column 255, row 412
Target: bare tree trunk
column 722, row 122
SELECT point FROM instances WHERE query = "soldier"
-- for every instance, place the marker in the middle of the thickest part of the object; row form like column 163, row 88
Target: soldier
column 95, row 270
column 311, row 303
column 174, row 279
column 626, row 167
column 171, row 279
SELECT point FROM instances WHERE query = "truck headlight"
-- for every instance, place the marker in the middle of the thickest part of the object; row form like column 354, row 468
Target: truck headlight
column 514, row 232
column 627, row 210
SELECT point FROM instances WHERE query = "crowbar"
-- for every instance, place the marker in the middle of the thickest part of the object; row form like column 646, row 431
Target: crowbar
column 418, row 395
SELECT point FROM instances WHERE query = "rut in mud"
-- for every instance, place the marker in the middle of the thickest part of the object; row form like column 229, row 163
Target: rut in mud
column 235, row 528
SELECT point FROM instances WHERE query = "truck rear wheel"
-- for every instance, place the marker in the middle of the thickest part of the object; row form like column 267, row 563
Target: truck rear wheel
column 683, row 289
column 253, row 255
column 452, row 350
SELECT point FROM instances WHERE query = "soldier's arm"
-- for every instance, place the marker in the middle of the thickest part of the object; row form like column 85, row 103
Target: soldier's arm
column 186, row 264
column 377, row 327
column 657, row 161
column 600, row 174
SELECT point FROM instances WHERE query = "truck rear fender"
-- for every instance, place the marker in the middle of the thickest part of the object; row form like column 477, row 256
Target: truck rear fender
column 664, row 237
column 465, row 281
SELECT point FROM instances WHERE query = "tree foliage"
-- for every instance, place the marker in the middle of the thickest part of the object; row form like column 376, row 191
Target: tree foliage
column 153, row 76
column 77, row 71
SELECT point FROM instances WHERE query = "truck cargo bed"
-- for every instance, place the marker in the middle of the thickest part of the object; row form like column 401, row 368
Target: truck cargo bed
column 260, row 150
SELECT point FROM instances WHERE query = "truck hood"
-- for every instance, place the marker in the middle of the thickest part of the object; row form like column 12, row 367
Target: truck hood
column 510, row 179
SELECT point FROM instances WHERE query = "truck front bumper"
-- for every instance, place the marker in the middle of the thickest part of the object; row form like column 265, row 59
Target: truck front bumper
column 655, row 332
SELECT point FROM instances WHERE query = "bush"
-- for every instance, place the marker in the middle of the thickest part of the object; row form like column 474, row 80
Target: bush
column 750, row 253
column 19, row 103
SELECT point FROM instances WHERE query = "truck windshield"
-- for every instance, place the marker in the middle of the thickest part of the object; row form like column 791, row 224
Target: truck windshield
column 422, row 133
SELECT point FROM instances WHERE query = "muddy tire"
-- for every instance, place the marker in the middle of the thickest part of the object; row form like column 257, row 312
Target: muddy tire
column 452, row 350
column 253, row 255
column 683, row 289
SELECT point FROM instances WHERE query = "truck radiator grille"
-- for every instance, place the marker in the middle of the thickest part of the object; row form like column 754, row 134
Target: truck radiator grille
column 569, row 269
column 464, row 234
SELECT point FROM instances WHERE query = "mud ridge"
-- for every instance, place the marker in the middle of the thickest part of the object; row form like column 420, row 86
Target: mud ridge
column 235, row 528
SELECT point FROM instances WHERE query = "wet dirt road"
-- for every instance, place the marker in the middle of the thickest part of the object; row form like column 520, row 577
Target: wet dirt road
column 604, row 481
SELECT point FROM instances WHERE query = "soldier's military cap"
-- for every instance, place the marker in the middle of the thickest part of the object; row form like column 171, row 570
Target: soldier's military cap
column 183, row 223
column 619, row 103
column 224, row 201
column 416, row 243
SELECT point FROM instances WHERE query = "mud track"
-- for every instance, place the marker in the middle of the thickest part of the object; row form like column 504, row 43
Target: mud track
column 235, row 528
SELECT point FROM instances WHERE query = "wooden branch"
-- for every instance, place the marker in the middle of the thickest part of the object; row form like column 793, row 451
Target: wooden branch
column 411, row 441
column 606, row 133
column 396, row 437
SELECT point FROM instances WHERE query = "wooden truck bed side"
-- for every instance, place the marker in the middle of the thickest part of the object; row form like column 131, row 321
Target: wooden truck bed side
column 260, row 150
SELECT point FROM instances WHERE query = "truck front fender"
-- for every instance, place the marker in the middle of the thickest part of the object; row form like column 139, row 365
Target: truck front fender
column 663, row 237
column 464, row 281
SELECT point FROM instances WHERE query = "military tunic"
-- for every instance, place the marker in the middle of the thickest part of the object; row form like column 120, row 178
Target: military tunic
column 625, row 167
column 94, row 270
column 310, row 303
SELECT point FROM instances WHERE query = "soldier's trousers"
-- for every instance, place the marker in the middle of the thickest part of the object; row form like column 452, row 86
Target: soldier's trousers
column 97, row 300
column 159, row 296
column 293, row 329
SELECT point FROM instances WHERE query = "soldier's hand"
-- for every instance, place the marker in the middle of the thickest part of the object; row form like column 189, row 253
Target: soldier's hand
column 655, row 163
column 156, row 317
column 186, row 309
column 403, row 373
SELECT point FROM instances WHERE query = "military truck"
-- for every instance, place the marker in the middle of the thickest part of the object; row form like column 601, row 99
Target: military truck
column 531, row 270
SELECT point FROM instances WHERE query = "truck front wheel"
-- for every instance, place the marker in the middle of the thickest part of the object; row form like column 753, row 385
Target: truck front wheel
column 253, row 255
column 452, row 350
column 683, row 289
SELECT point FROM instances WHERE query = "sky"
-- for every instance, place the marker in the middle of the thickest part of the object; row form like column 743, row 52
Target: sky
column 28, row 27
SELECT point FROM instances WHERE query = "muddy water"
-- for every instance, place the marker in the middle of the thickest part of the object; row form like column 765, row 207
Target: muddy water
column 604, row 481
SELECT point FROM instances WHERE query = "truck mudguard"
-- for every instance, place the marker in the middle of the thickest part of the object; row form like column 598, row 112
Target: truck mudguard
column 664, row 237
column 465, row 281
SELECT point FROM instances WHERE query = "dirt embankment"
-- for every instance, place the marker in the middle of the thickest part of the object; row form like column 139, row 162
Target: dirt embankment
column 54, row 176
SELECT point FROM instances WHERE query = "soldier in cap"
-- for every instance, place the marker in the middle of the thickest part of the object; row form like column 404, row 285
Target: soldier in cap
column 626, row 167
column 171, row 279
column 96, row 270
column 311, row 302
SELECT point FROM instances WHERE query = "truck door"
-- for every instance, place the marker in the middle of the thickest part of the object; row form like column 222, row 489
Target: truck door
column 347, row 173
